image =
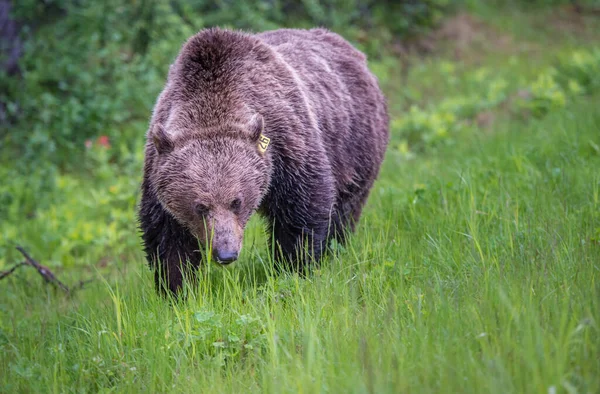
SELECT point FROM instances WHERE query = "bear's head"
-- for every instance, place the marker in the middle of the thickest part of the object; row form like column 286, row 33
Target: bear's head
column 212, row 181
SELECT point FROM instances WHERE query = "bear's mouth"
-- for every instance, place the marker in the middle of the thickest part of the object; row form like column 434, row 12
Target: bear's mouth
column 225, row 263
column 225, row 257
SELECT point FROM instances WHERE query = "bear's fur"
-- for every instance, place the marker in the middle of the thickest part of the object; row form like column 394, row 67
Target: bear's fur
column 312, row 94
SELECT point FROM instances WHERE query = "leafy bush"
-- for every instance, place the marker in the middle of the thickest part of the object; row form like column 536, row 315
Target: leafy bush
column 82, row 77
column 90, row 67
column 68, row 216
column 546, row 94
column 577, row 73
column 423, row 128
column 580, row 71
column 410, row 17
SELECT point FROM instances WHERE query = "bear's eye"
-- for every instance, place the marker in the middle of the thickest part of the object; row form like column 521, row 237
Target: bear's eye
column 236, row 205
column 201, row 209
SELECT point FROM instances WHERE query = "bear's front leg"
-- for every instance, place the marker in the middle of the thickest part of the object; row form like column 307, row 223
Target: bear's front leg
column 299, row 215
column 297, row 247
column 176, row 263
column 171, row 250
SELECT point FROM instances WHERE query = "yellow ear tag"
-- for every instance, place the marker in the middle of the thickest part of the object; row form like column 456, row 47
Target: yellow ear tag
column 263, row 143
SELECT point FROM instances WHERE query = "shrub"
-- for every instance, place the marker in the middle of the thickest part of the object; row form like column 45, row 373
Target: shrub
column 579, row 72
column 545, row 94
column 90, row 67
column 422, row 129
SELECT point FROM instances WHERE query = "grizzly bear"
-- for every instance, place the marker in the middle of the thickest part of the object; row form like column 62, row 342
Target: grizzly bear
column 287, row 123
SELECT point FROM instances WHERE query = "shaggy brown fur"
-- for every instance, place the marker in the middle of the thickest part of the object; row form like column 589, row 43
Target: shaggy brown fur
column 312, row 94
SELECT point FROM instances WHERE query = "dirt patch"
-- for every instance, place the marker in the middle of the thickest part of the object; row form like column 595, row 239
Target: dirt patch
column 485, row 119
column 461, row 34
column 464, row 32
column 573, row 20
column 467, row 38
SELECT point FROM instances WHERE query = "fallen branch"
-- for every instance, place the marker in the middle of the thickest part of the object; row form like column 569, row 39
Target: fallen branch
column 4, row 274
column 45, row 272
column 48, row 276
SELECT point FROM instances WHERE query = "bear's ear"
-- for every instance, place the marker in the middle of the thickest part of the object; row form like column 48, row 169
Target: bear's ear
column 161, row 140
column 256, row 126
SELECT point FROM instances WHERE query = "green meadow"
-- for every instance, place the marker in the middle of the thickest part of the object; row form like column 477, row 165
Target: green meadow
column 475, row 266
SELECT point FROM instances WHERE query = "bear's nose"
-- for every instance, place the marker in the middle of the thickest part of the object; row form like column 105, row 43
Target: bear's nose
column 225, row 256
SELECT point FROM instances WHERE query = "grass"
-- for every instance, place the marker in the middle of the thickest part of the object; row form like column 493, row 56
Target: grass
column 474, row 269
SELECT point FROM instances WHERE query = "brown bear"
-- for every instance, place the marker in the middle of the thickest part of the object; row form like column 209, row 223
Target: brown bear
column 287, row 123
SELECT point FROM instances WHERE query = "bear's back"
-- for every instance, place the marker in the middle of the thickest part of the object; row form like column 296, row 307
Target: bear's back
column 344, row 95
column 285, row 40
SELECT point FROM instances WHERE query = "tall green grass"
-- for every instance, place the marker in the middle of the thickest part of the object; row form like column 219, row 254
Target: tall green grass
column 474, row 269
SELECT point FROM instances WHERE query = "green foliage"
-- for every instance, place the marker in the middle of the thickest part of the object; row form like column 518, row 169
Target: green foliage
column 74, row 219
column 99, row 65
column 410, row 17
column 425, row 128
column 220, row 341
column 579, row 72
column 546, row 94
column 85, row 75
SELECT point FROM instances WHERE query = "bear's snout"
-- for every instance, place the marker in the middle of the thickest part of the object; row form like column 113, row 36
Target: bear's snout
column 225, row 256
column 226, row 237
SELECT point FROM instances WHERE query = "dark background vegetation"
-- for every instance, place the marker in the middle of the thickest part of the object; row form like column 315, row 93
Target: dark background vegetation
column 74, row 70
column 87, row 66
